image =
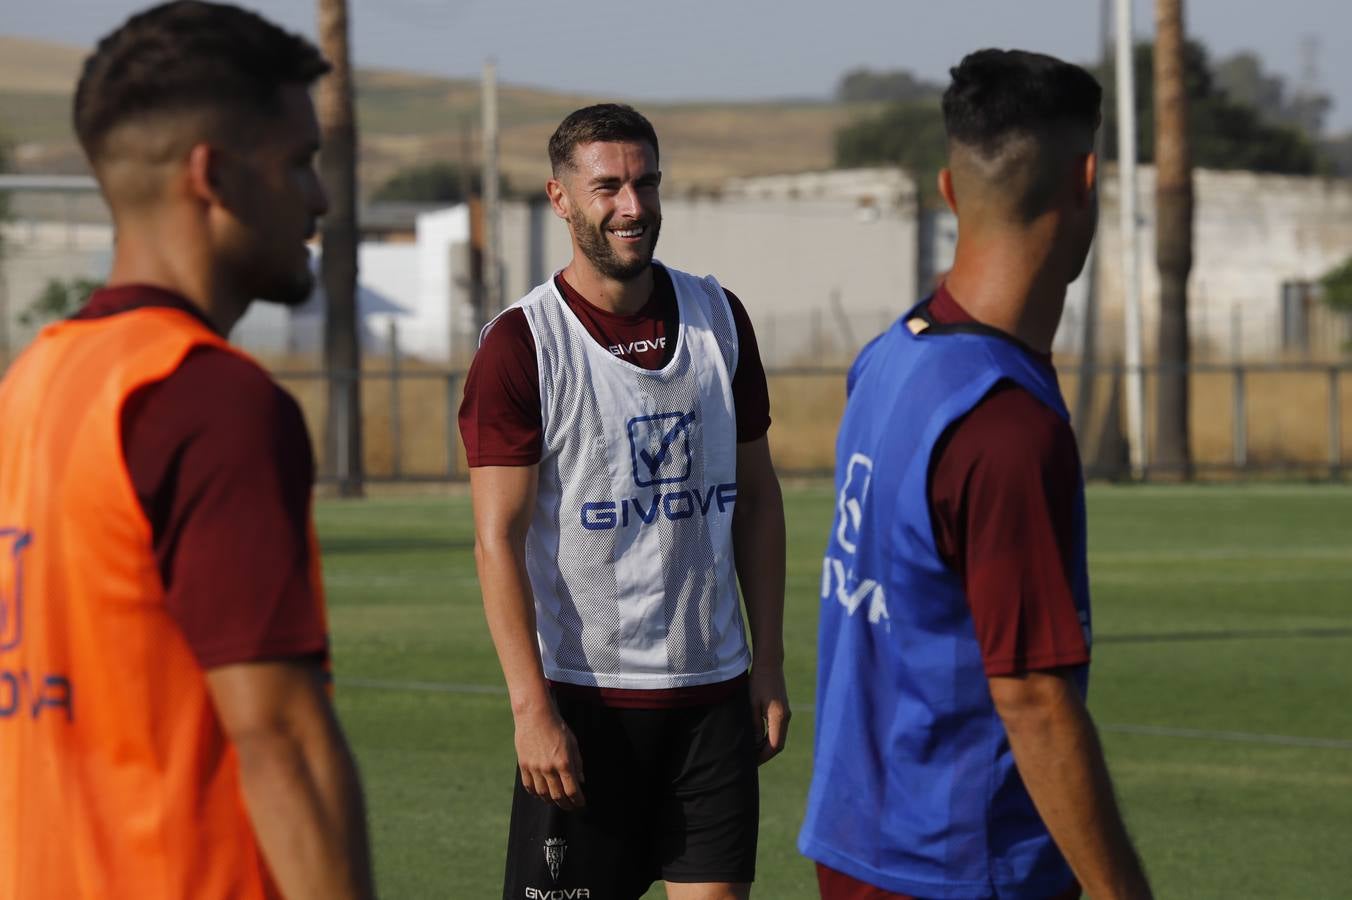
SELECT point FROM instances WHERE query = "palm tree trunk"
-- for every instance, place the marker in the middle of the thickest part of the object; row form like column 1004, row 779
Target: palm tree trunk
column 1173, row 238
column 338, row 168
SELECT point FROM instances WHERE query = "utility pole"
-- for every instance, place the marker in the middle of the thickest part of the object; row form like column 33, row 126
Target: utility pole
column 338, row 168
column 1084, row 393
column 492, row 247
column 1173, row 236
column 1131, row 255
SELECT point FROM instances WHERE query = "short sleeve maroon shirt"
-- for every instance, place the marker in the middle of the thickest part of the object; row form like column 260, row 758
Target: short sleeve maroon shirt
column 1002, row 503
column 500, row 421
column 501, row 424
column 221, row 462
column 1002, row 491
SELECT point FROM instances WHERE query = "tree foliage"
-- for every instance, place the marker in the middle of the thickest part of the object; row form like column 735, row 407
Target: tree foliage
column 1244, row 81
column 892, row 85
column 909, row 135
column 434, row 182
column 58, row 299
column 1224, row 132
column 1337, row 284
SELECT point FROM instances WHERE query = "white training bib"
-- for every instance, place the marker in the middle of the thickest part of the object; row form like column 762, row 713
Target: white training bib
column 630, row 549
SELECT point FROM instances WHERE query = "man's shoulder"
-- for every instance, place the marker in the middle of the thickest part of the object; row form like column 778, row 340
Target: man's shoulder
column 1011, row 431
column 509, row 334
column 230, row 390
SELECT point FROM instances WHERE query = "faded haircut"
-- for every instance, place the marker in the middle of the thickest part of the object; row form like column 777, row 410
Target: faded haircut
column 602, row 122
column 998, row 94
column 188, row 57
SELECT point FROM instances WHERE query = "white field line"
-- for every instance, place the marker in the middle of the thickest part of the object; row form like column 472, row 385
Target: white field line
column 1329, row 553
column 1236, row 737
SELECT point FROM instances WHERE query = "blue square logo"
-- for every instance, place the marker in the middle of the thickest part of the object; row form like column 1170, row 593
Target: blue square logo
column 13, row 541
column 659, row 446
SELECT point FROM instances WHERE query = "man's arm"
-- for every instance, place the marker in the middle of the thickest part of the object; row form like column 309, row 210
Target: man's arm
column 299, row 780
column 546, row 751
column 1061, row 761
column 758, row 551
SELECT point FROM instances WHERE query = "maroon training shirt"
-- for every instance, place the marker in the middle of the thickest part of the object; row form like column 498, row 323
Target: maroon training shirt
column 501, row 425
column 1002, row 500
column 500, row 416
column 221, row 462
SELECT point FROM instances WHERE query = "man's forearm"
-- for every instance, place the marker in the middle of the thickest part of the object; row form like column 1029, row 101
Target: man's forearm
column 758, row 550
column 510, row 611
column 1061, row 762
column 308, row 813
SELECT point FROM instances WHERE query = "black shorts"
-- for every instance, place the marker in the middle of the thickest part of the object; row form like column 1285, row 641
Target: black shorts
column 671, row 794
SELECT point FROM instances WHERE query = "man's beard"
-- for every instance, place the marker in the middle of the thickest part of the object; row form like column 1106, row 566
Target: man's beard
column 294, row 290
column 596, row 247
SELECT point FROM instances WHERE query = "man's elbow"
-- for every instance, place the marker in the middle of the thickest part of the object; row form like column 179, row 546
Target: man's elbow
column 269, row 755
column 1034, row 700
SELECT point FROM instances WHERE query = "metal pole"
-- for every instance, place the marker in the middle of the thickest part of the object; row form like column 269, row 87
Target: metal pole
column 396, row 421
column 492, row 247
column 1241, row 421
column 1084, row 390
column 1335, row 425
column 452, row 456
column 1131, row 256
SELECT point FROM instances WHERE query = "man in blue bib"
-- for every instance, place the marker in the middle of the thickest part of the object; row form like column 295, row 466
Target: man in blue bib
column 955, row 757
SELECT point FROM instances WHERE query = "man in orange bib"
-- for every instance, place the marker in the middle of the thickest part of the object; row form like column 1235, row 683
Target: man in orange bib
column 165, row 725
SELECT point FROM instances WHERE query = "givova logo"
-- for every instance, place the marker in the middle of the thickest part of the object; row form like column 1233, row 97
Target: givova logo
column 659, row 447
column 13, row 542
column 840, row 577
column 23, row 693
column 850, row 503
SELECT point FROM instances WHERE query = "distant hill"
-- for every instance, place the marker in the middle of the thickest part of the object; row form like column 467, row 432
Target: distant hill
column 406, row 118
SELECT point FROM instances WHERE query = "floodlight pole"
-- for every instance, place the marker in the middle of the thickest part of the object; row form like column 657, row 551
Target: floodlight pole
column 1131, row 249
column 492, row 248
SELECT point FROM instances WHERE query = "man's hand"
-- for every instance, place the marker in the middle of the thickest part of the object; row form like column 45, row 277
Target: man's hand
column 550, row 762
column 769, row 709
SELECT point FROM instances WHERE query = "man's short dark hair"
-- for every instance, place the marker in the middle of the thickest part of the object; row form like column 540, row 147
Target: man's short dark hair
column 999, row 93
column 602, row 122
column 188, row 56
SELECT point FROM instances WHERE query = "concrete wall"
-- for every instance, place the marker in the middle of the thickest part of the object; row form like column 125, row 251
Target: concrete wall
column 36, row 252
column 818, row 275
column 822, row 261
column 1252, row 233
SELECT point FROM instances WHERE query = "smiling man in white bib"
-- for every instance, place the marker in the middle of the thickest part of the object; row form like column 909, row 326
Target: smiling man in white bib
column 615, row 421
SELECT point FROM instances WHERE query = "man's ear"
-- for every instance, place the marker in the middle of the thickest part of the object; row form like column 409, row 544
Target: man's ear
column 558, row 198
column 206, row 175
column 1086, row 179
column 946, row 189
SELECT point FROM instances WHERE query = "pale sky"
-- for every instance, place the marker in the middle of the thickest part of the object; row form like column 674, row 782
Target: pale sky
column 743, row 49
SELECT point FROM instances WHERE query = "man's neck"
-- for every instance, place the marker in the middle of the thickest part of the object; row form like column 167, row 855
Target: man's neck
column 1007, row 286
column 139, row 258
column 619, row 297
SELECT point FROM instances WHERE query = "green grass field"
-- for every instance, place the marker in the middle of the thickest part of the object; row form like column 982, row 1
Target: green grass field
column 1222, row 684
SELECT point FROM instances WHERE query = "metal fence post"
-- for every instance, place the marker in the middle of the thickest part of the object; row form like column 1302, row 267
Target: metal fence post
column 452, row 448
column 396, row 423
column 1241, row 437
column 342, row 465
column 1335, row 425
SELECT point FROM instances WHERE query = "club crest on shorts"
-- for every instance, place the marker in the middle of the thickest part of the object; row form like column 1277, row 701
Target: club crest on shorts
column 555, row 847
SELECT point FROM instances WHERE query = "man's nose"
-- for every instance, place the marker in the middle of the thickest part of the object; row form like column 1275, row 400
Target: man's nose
column 627, row 202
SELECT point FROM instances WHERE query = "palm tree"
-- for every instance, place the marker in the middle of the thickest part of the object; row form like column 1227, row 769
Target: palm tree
column 338, row 167
column 1173, row 237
